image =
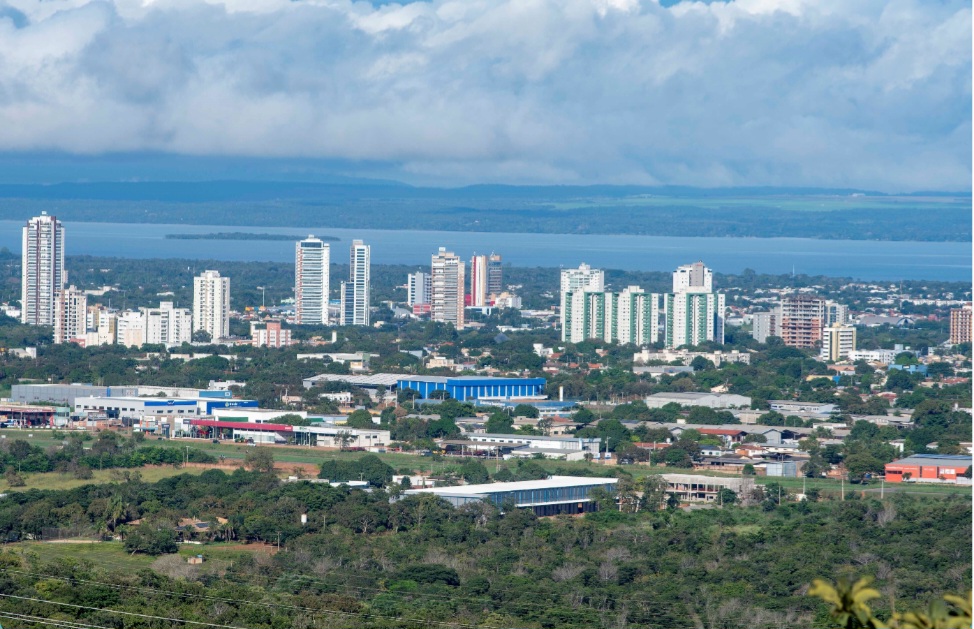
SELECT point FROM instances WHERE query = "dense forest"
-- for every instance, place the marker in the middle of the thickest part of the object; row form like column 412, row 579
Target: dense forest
column 382, row 560
column 758, row 213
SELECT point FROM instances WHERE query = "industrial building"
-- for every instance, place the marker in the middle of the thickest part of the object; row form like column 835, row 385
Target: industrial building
column 710, row 400
column 325, row 435
column 474, row 387
column 552, row 496
column 921, row 468
column 568, row 448
column 64, row 394
column 138, row 407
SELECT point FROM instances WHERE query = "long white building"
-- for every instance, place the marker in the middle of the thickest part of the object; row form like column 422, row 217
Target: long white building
column 42, row 269
column 312, row 262
column 629, row 316
column 211, row 304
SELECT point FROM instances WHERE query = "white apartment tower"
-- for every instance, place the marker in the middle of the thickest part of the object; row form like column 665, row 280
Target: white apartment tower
column 419, row 286
column 574, row 284
column 694, row 313
column 479, row 289
column 42, row 269
column 355, row 292
column 838, row 341
column 70, row 315
column 312, row 261
column 631, row 316
column 693, row 278
column 447, row 288
column 167, row 325
column 211, row 304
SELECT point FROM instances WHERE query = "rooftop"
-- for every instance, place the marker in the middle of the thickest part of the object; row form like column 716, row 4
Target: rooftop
column 935, row 459
column 524, row 485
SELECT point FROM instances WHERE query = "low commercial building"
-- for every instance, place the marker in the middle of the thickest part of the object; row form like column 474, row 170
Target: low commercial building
column 27, row 416
column 324, row 436
column 787, row 407
column 578, row 445
column 926, row 468
column 686, row 357
column 551, row 496
column 65, row 394
column 138, row 407
column 710, row 400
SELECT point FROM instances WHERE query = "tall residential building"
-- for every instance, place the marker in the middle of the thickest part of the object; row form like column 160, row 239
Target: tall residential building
column 836, row 313
column 693, row 278
column 838, row 341
column 630, row 316
column 42, row 269
column 312, row 261
column 765, row 324
column 167, row 325
column 495, row 275
column 355, row 292
column 694, row 312
column 446, row 288
column 131, row 328
column 70, row 315
column 960, row 325
column 479, row 281
column 574, row 283
column 802, row 320
column 211, row 304
column 692, row 318
column 419, row 285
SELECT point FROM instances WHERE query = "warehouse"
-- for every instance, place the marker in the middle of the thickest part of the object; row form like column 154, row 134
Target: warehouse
column 473, row 387
column 710, row 400
column 928, row 468
column 552, row 496
column 138, row 407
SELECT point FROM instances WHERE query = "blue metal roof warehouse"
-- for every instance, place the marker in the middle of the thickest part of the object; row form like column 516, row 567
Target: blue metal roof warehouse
column 472, row 387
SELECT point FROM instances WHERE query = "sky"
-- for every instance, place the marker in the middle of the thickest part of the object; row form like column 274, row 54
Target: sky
column 826, row 93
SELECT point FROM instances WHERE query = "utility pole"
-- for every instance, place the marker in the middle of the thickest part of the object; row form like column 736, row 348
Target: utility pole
column 882, row 488
column 842, row 481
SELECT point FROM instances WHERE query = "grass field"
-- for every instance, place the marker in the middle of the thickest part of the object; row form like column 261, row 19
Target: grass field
column 112, row 555
column 56, row 480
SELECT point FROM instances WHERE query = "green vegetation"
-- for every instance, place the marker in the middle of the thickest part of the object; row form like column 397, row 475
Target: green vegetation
column 363, row 560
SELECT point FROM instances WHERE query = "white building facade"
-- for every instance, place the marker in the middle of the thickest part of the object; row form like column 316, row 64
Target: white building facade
column 447, row 288
column 42, row 269
column 312, row 264
column 70, row 316
column 355, row 292
column 211, row 304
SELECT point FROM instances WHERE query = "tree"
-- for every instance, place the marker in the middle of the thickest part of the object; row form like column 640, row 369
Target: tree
column 526, row 410
column 726, row 496
column 259, row 460
column 474, row 472
column 201, row 336
column 360, row 419
column 499, row 423
column 343, row 438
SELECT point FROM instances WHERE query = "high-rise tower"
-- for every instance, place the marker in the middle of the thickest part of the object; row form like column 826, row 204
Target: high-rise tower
column 312, row 259
column 447, row 286
column 42, row 270
column 211, row 304
column 355, row 292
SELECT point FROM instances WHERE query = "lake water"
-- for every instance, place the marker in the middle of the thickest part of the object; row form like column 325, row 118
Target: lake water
column 868, row 260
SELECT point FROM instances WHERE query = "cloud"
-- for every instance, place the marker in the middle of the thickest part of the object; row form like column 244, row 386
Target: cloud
column 753, row 92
